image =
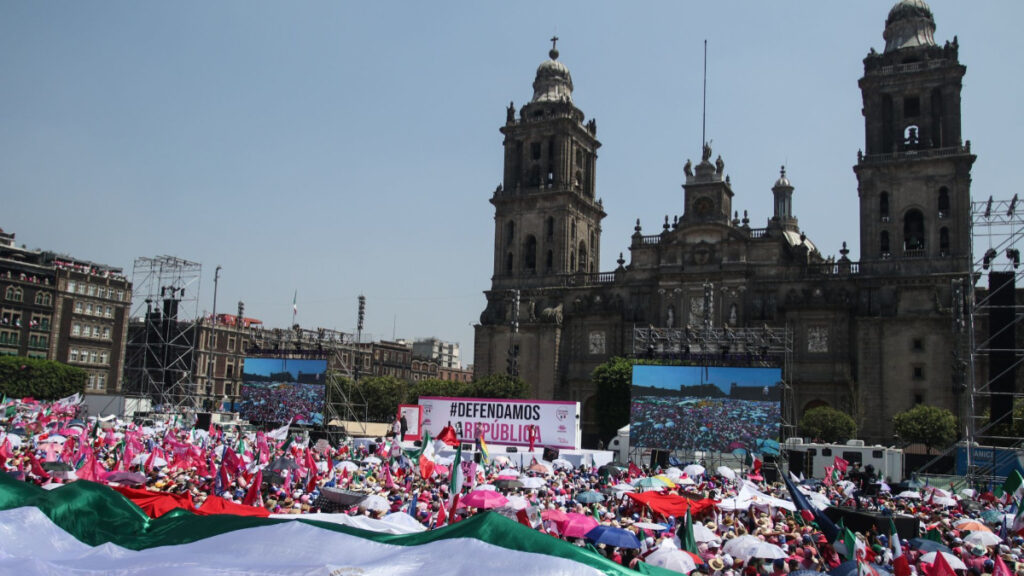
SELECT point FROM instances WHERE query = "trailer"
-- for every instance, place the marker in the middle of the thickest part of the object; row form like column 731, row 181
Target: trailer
column 810, row 459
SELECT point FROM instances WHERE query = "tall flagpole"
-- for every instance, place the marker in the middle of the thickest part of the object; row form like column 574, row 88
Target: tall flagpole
column 295, row 306
column 704, row 111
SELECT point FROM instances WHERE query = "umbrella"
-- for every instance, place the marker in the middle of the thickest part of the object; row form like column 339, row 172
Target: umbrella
column 490, row 487
column 371, row 460
column 375, row 503
column 954, row 562
column 849, row 568
column 347, row 465
column 992, row 516
column 694, row 470
column 500, row 460
column 612, row 536
column 517, row 502
column 747, row 546
column 14, row 439
column 649, row 483
column 577, row 525
column 589, row 497
column 55, row 438
column 613, row 469
column 142, row 458
column 553, row 515
column 541, row 468
column 123, row 477
column 702, row 533
column 726, row 472
column 61, row 466
column 283, row 464
column 972, row 525
column 484, row 499
column 508, row 484
column 927, row 545
column 508, row 473
column 670, row 557
column 561, row 464
column 651, row 526
column 983, row 538
column 909, row 494
column 668, row 481
column 623, row 487
column 533, row 483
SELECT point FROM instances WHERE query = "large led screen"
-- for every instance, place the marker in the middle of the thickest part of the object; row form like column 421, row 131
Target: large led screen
column 283, row 390
column 715, row 409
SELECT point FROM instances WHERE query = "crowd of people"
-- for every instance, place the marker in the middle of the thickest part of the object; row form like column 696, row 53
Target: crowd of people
column 301, row 404
column 712, row 522
column 703, row 424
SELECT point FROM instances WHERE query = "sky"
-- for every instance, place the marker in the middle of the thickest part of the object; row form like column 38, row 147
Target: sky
column 721, row 376
column 323, row 150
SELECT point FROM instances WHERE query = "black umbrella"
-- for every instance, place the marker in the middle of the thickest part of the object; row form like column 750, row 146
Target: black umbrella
column 57, row 466
column 927, row 545
column 284, row 464
column 849, row 568
column 508, row 484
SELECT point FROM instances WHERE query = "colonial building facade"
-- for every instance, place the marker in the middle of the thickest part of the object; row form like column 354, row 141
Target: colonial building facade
column 872, row 338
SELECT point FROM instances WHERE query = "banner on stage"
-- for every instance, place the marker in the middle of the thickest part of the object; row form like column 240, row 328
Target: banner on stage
column 507, row 422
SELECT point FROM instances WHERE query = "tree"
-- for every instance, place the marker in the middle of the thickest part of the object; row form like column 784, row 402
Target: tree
column 436, row 387
column 827, row 424
column 383, row 394
column 39, row 379
column 499, row 386
column 928, row 425
column 613, row 380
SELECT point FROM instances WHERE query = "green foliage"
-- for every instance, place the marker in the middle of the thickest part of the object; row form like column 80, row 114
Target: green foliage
column 498, row 386
column 827, row 425
column 435, row 387
column 613, row 380
column 383, row 394
column 40, row 379
column 928, row 425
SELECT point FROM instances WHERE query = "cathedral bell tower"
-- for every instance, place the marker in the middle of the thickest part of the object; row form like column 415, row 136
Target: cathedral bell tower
column 914, row 175
column 547, row 221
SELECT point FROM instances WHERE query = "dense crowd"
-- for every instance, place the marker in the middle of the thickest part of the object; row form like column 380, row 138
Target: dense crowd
column 301, row 404
column 715, row 522
column 704, row 424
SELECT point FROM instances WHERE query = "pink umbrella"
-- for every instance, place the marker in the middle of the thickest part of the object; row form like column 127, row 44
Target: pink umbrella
column 484, row 499
column 556, row 516
column 577, row 525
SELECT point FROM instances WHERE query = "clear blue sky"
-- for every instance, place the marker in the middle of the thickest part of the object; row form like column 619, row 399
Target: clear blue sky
column 339, row 148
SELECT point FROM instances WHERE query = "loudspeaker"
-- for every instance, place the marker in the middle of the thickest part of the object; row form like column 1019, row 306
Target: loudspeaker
column 372, row 447
column 550, row 454
column 466, row 447
column 203, row 420
column 511, row 449
column 1002, row 342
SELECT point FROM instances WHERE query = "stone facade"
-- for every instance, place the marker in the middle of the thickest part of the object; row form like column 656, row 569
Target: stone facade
column 871, row 338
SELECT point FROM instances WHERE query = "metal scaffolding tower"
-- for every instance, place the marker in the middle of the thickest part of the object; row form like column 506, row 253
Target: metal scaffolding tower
column 163, row 331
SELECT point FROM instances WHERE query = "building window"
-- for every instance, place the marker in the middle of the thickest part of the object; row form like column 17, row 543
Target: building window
column 913, row 230
column 943, row 202
column 944, row 241
column 78, row 307
column 231, row 343
column 918, row 372
column 92, row 357
column 109, row 312
column 509, row 261
column 73, row 355
column 530, row 257
column 549, row 228
column 91, row 291
column 917, row 345
column 883, row 206
column 106, row 333
column 71, row 286
column 103, row 357
column 76, row 329
column 120, row 295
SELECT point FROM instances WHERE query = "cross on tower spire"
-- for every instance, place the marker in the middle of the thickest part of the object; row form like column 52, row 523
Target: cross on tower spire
column 554, row 48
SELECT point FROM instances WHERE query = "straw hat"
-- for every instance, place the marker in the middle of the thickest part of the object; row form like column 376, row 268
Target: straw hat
column 716, row 564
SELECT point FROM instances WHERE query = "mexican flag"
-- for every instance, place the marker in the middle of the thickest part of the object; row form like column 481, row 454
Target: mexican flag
column 88, row 529
column 1013, row 486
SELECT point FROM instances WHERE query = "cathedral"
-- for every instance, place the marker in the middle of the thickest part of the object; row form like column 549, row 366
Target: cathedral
column 871, row 338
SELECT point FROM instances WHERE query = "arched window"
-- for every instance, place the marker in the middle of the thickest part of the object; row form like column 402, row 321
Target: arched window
column 549, row 228
column 943, row 202
column 583, row 256
column 510, row 232
column 884, row 244
column 572, row 261
column 944, row 241
column 883, row 206
column 549, row 261
column 508, row 263
column 530, row 255
column 572, row 230
column 913, row 230
column 9, row 293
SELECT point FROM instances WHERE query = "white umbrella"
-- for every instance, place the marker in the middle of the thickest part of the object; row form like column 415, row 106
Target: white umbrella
column 747, row 546
column 490, row 487
column 373, row 460
column 508, row 473
column 909, row 494
column 673, row 472
column 517, row 502
column 561, row 464
column 671, row 558
column 500, row 460
column 726, row 472
column 533, row 483
column 694, row 470
column 623, row 487
column 347, row 465
column 14, row 439
column 982, row 538
column 651, row 526
column 702, row 533
column 375, row 503
column 142, row 458
column 969, row 492
column 954, row 562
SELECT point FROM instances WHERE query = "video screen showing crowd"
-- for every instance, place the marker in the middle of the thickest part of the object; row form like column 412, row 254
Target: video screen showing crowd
column 706, row 408
column 279, row 390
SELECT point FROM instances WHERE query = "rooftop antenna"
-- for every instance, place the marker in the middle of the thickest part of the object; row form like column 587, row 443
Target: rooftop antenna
column 704, row 112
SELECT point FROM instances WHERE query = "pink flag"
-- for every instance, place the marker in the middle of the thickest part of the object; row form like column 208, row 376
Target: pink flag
column 254, row 496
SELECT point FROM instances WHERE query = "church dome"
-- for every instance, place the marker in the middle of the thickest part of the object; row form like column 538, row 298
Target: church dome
column 783, row 181
column 910, row 24
column 553, row 82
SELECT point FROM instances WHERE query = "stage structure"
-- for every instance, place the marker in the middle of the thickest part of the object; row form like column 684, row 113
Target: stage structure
column 986, row 322
column 722, row 346
column 161, row 346
column 343, row 404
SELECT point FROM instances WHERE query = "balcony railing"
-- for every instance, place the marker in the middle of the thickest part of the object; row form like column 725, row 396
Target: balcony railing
column 915, row 154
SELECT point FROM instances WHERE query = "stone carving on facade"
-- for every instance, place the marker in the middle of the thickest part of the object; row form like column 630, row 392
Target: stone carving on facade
column 510, row 113
column 688, row 168
column 697, row 311
column 597, row 342
column 552, row 315
column 817, row 339
column 705, row 155
column 720, row 164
